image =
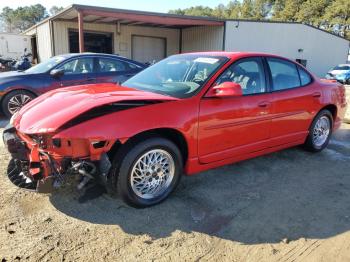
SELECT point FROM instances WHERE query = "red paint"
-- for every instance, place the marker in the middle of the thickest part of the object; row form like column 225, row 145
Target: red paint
column 217, row 130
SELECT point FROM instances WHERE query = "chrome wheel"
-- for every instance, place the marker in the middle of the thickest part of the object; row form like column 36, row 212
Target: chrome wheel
column 321, row 131
column 152, row 174
column 17, row 102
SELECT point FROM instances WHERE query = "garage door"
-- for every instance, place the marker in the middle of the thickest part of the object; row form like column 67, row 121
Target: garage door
column 146, row 49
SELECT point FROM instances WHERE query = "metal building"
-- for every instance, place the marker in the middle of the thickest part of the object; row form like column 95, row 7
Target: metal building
column 147, row 36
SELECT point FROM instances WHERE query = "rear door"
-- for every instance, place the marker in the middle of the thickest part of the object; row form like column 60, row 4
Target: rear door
column 234, row 126
column 112, row 70
column 295, row 101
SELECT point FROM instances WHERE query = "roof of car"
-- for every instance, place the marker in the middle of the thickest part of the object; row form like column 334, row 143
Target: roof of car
column 232, row 54
column 70, row 55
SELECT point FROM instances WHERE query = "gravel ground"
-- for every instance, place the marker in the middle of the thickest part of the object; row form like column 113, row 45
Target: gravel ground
column 287, row 206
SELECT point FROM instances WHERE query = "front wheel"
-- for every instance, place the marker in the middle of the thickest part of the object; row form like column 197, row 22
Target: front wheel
column 149, row 172
column 15, row 100
column 319, row 132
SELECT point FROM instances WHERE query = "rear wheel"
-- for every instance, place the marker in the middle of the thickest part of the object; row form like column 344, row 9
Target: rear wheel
column 148, row 173
column 15, row 100
column 320, row 132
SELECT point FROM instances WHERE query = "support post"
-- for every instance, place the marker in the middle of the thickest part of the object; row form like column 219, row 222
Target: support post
column 81, row 31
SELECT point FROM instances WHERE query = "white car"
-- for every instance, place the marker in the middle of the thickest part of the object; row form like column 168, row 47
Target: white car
column 340, row 73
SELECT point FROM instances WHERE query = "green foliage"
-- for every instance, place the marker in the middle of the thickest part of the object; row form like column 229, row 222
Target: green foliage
column 331, row 15
column 20, row 19
column 55, row 9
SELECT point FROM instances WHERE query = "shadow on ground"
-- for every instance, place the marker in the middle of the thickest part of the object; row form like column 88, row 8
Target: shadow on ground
column 290, row 194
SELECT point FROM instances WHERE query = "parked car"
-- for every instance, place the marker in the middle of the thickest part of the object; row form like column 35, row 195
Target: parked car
column 341, row 73
column 20, row 87
column 183, row 115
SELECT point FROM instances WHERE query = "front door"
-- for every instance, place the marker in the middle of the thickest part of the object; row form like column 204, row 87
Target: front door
column 77, row 71
column 229, row 127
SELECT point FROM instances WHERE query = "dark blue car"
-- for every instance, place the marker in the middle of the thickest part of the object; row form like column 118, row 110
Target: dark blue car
column 18, row 88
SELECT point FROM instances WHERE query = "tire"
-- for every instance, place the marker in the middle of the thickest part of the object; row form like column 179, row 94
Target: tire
column 20, row 97
column 126, row 166
column 317, row 139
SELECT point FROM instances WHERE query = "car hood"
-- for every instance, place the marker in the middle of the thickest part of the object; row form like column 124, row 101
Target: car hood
column 11, row 75
column 49, row 112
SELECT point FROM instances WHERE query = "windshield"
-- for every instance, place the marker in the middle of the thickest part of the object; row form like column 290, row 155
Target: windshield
column 178, row 76
column 46, row 65
column 344, row 67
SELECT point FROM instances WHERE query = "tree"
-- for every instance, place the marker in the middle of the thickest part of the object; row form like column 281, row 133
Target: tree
column 194, row 11
column 261, row 9
column 290, row 9
column 20, row 19
column 277, row 9
column 337, row 15
column 233, row 9
column 312, row 12
column 55, row 9
column 247, row 9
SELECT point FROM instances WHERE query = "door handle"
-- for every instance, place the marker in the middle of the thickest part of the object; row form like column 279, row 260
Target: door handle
column 91, row 79
column 316, row 94
column 264, row 104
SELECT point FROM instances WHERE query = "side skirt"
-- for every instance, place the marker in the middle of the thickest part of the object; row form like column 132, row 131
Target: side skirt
column 193, row 166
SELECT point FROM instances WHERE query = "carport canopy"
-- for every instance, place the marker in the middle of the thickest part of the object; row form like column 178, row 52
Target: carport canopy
column 91, row 14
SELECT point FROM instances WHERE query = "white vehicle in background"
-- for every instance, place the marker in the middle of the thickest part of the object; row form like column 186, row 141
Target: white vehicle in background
column 341, row 73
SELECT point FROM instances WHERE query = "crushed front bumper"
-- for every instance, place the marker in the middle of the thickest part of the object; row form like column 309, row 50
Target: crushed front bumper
column 27, row 169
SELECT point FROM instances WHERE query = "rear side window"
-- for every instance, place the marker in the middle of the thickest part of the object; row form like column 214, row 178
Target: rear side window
column 114, row 65
column 284, row 74
column 305, row 77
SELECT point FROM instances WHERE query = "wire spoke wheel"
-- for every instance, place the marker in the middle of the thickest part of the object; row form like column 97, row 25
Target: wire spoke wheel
column 321, row 131
column 17, row 102
column 152, row 174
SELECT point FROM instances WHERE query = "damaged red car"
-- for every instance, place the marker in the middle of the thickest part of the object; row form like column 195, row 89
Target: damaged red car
column 185, row 114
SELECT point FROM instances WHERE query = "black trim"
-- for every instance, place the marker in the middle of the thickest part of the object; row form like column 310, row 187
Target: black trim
column 224, row 38
column 180, row 41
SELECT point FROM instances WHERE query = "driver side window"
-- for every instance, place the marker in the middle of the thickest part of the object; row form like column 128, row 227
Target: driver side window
column 249, row 73
column 78, row 66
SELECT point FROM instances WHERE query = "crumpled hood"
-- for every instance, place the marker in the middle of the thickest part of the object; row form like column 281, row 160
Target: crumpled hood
column 50, row 111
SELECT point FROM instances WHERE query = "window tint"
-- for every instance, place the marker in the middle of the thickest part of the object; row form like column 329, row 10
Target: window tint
column 284, row 74
column 249, row 73
column 305, row 78
column 112, row 65
column 78, row 66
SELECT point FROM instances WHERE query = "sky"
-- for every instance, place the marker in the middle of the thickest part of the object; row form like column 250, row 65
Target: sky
column 145, row 5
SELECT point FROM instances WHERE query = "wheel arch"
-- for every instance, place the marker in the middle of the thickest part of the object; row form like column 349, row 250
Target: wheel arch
column 10, row 90
column 331, row 108
column 171, row 134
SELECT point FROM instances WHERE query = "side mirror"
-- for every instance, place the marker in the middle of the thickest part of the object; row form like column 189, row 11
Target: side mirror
column 226, row 89
column 57, row 73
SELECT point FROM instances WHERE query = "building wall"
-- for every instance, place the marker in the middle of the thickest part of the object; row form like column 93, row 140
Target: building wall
column 122, row 41
column 12, row 45
column 203, row 38
column 321, row 50
column 43, row 36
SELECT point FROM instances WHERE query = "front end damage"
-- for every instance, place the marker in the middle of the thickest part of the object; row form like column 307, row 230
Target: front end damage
column 42, row 162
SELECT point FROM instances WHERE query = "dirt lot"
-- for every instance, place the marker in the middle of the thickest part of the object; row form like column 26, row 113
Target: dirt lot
column 287, row 206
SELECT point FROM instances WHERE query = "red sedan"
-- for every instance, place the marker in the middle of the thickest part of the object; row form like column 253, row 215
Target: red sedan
column 183, row 115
